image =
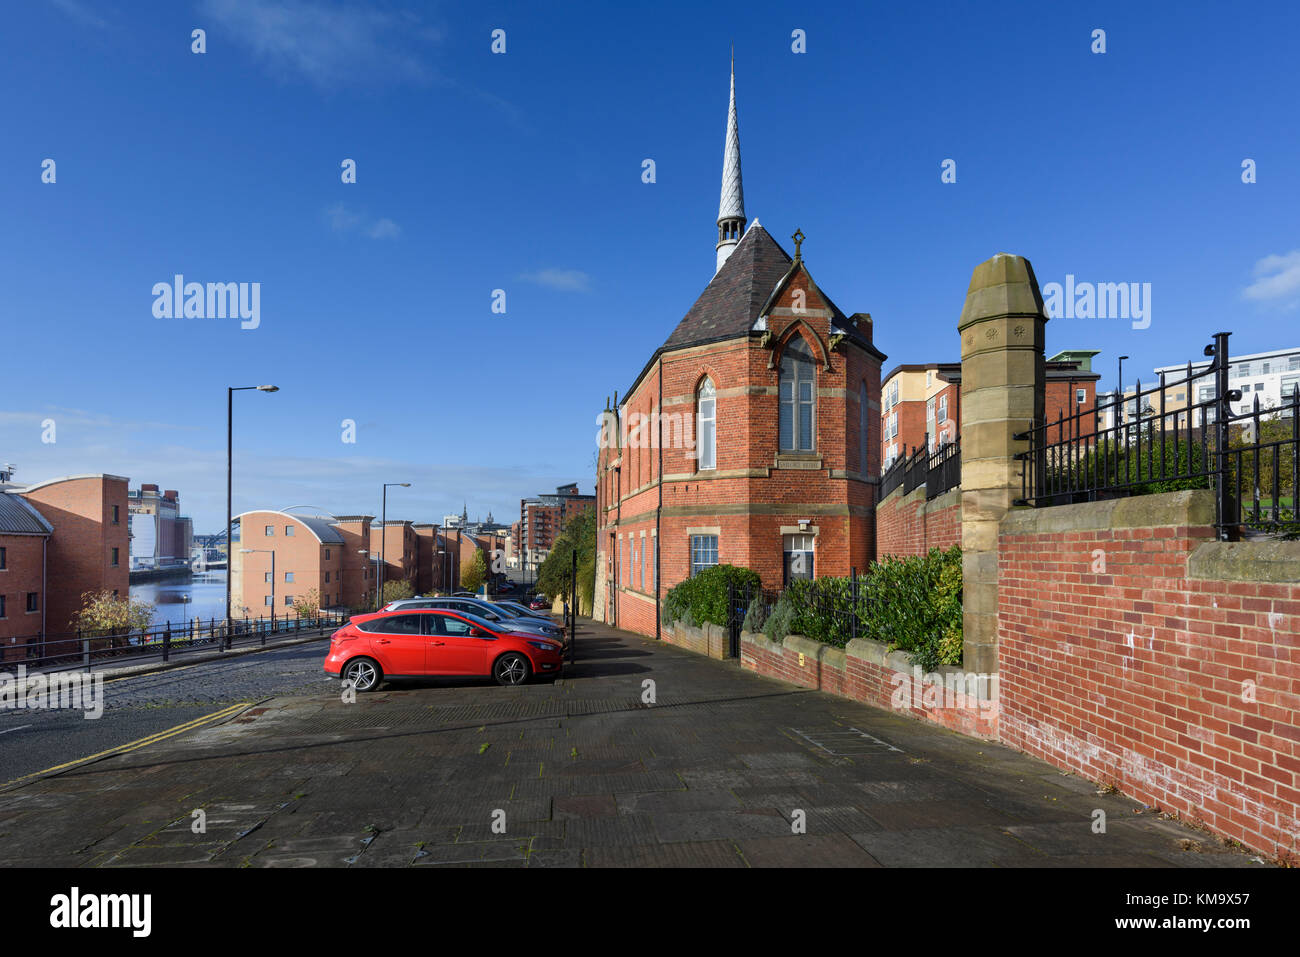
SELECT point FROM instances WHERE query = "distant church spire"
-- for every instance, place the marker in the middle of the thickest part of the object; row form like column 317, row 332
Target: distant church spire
column 731, row 208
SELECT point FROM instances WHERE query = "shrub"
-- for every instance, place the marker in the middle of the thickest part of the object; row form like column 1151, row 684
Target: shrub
column 705, row 595
column 915, row 605
column 779, row 623
column 755, row 616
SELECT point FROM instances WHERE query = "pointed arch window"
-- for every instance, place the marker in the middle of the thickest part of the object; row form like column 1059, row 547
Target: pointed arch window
column 797, row 394
column 706, row 409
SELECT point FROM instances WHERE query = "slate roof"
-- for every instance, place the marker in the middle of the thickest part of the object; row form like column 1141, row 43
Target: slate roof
column 731, row 301
column 19, row 517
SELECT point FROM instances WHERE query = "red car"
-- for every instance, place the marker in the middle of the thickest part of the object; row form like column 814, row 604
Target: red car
column 538, row 603
column 432, row 642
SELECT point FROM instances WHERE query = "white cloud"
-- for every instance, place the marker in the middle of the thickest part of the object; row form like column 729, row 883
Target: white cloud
column 81, row 12
column 384, row 229
column 341, row 219
column 328, row 43
column 567, row 280
column 1277, row 278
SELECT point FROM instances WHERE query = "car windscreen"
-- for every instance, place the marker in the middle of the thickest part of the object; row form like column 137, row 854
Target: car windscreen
column 473, row 619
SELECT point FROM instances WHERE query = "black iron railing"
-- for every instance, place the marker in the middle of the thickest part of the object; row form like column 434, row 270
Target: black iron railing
column 938, row 471
column 1178, row 434
column 88, row 648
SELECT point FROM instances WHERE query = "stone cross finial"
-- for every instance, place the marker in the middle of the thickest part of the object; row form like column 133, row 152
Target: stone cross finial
column 798, row 238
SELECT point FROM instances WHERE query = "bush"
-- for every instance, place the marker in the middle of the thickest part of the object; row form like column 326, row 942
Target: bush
column 705, row 595
column 915, row 605
column 755, row 615
column 780, row 622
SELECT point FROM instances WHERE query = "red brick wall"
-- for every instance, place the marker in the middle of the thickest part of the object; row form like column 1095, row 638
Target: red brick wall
column 1134, row 675
column 909, row 525
column 864, row 679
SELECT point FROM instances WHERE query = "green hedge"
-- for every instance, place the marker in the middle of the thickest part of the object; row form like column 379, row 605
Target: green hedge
column 916, row 606
column 913, row 604
column 704, row 597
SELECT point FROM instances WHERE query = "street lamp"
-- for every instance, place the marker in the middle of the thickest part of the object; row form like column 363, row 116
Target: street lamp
column 271, row 552
column 383, row 539
column 230, row 546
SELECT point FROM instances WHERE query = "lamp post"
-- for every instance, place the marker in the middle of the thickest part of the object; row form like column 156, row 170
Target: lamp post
column 271, row 552
column 230, row 546
column 383, row 540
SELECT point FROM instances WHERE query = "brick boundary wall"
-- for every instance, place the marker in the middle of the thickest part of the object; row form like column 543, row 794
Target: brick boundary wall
column 1134, row 672
column 707, row 639
column 909, row 525
column 867, row 671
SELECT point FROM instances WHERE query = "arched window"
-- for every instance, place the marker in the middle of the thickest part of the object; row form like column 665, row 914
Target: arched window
column 798, row 417
column 706, row 408
column 862, row 428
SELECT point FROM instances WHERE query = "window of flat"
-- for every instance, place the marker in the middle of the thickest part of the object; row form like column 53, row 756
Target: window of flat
column 270, row 531
column 3, row 560
column 797, row 386
column 288, row 530
column 115, row 558
column 33, row 601
column 704, row 553
column 288, row 576
column 798, row 556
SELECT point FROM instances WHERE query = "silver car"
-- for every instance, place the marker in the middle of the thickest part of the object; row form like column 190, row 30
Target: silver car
column 485, row 610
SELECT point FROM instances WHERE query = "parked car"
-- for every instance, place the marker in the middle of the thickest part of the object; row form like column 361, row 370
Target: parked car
column 389, row 645
column 481, row 609
column 538, row 603
column 521, row 609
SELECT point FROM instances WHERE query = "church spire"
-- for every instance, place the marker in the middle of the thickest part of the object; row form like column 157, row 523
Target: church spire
column 731, row 207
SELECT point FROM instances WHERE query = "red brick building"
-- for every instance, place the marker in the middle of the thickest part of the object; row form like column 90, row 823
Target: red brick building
column 311, row 552
column 24, row 574
column 750, row 437
column 88, row 548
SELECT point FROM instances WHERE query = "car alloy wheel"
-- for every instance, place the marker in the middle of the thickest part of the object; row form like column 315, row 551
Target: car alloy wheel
column 363, row 674
column 511, row 669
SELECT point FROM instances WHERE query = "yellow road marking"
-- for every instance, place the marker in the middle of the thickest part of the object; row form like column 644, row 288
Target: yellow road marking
column 139, row 742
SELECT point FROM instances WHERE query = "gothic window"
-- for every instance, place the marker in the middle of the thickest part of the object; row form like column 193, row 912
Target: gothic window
column 797, row 390
column 707, row 417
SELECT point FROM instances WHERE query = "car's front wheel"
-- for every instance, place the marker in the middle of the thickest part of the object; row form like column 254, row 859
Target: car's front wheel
column 511, row 668
column 363, row 674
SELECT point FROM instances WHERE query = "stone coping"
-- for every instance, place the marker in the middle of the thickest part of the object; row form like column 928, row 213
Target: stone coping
column 1193, row 508
column 1257, row 561
column 873, row 652
column 938, row 503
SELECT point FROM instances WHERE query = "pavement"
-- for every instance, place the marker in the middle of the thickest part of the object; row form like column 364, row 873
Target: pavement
column 719, row 768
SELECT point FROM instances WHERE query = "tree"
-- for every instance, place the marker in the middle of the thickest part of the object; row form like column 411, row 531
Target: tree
column 473, row 572
column 555, row 574
column 397, row 590
column 104, row 613
column 308, row 606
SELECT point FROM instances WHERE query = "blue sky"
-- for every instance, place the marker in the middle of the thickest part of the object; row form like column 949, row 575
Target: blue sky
column 522, row 172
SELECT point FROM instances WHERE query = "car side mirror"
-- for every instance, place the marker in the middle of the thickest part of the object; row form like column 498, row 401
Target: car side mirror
column 477, row 633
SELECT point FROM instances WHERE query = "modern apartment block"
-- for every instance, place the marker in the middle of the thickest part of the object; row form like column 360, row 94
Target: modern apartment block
column 542, row 518
column 921, row 403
